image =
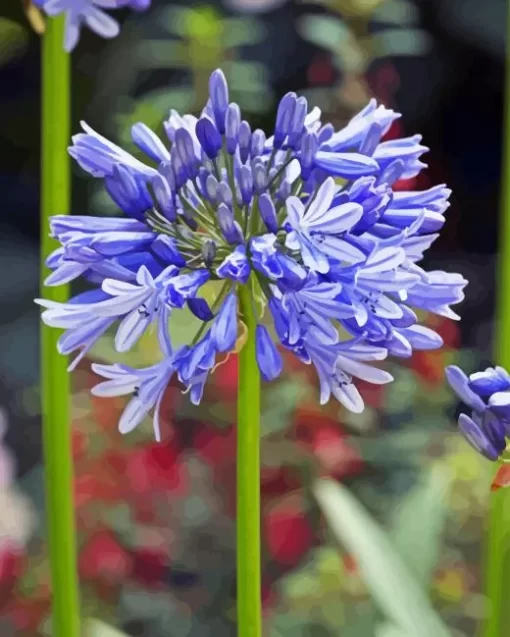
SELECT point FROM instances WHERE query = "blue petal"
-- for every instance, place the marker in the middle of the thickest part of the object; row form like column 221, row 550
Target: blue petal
column 269, row 358
column 235, row 266
column 477, row 438
column 346, row 165
column 489, row 381
column 200, row 309
column 149, row 142
column 165, row 248
column 499, row 404
column 224, row 329
column 110, row 244
column 459, row 383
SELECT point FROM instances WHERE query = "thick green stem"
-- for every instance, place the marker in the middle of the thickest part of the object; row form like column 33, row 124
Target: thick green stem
column 497, row 570
column 55, row 180
column 249, row 608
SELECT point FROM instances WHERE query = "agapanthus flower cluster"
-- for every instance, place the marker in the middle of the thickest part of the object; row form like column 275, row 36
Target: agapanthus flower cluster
column 487, row 394
column 307, row 218
column 89, row 12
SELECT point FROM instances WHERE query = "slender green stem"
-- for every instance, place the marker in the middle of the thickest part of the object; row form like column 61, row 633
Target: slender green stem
column 55, row 180
column 249, row 608
column 497, row 569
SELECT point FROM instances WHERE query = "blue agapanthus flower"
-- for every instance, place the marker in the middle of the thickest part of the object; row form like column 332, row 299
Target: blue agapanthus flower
column 487, row 394
column 307, row 218
column 90, row 13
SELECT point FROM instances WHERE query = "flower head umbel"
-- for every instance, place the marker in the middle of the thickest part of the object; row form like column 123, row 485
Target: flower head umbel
column 307, row 218
column 88, row 12
column 487, row 394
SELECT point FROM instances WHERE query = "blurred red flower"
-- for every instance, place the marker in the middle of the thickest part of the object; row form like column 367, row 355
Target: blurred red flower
column 149, row 566
column 102, row 557
column 287, row 533
column 156, row 467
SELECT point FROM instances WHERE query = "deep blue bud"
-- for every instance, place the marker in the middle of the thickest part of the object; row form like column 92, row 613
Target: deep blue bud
column 200, row 308
column 229, row 227
column 309, row 146
column 246, row 184
column 244, row 140
column 202, row 180
column 209, row 137
column 268, row 212
column 284, row 118
column 298, row 122
column 179, row 168
column 165, row 248
column 232, row 124
column 218, row 90
column 164, row 197
column 127, row 192
column 184, row 145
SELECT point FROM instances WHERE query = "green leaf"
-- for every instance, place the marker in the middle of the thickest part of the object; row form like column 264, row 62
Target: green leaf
column 390, row 582
column 419, row 521
column 242, row 31
column 324, row 31
column 96, row 628
column 401, row 42
column 161, row 54
column 399, row 12
column 13, row 38
column 280, row 401
column 390, row 630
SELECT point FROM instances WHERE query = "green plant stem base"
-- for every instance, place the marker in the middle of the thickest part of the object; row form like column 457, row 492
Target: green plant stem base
column 498, row 566
column 249, row 607
column 55, row 394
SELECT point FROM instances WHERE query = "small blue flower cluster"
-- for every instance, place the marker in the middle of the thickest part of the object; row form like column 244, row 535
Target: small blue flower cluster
column 487, row 394
column 307, row 218
column 89, row 12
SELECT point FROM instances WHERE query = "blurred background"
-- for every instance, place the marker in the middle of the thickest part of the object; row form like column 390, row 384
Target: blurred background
column 156, row 525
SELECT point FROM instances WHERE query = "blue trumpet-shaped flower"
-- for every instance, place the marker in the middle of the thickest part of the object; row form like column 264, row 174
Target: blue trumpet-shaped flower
column 487, row 394
column 90, row 13
column 220, row 204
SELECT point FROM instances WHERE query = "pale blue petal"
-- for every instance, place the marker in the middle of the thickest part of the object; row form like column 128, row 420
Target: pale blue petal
column 149, row 142
column 346, row 165
column 320, row 203
column 335, row 220
column 459, row 383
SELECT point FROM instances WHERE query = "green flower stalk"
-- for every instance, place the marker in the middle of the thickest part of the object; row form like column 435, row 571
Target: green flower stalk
column 497, row 571
column 249, row 608
column 55, row 180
